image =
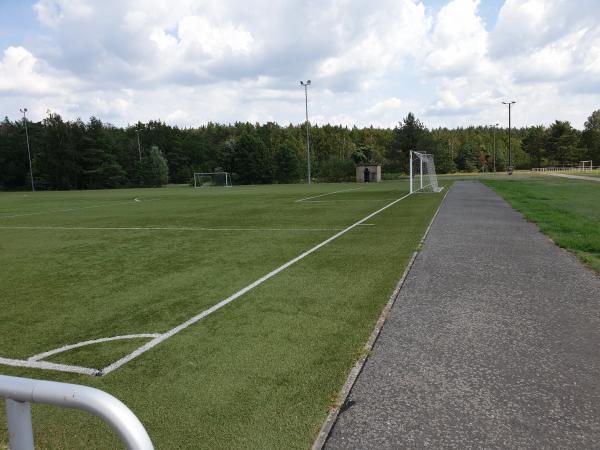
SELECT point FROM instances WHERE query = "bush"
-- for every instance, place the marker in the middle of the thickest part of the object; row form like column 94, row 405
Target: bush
column 155, row 170
column 337, row 169
column 392, row 175
column 287, row 164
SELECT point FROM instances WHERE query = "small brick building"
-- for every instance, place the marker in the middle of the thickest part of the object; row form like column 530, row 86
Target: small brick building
column 372, row 170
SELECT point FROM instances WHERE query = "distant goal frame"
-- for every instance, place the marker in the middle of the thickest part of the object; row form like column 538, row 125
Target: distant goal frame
column 227, row 176
column 425, row 175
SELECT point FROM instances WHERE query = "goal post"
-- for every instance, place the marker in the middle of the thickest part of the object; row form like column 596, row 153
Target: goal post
column 209, row 179
column 586, row 166
column 422, row 175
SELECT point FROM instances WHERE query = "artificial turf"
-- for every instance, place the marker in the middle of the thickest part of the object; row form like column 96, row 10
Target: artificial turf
column 565, row 209
column 258, row 373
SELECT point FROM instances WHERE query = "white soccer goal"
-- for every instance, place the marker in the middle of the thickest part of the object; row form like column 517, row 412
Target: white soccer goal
column 586, row 165
column 422, row 175
column 207, row 179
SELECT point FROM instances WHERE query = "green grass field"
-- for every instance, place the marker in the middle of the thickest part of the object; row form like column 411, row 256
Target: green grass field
column 567, row 210
column 259, row 373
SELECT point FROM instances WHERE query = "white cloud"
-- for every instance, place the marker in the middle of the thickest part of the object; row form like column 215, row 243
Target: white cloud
column 382, row 40
column 52, row 12
column 541, row 52
column 23, row 73
column 189, row 61
column 458, row 41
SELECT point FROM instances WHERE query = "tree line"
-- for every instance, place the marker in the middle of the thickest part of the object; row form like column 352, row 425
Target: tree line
column 80, row 155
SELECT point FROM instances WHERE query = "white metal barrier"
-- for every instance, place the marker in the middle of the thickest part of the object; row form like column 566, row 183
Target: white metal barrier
column 574, row 169
column 19, row 393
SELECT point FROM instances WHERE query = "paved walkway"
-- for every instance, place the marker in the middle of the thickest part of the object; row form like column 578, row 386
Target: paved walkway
column 494, row 342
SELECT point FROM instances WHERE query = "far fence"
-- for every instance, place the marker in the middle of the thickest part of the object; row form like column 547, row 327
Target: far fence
column 567, row 169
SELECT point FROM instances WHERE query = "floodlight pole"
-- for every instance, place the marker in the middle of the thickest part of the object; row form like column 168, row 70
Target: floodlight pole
column 138, row 142
column 410, row 172
column 495, row 126
column 510, row 103
column 24, row 111
column 306, row 84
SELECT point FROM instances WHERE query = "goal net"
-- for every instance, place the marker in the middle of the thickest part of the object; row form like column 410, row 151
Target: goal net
column 422, row 174
column 208, row 179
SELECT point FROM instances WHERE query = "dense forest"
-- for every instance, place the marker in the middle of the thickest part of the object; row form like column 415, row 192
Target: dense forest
column 79, row 155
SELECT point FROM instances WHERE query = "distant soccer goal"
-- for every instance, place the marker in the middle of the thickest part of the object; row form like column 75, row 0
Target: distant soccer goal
column 422, row 175
column 208, row 179
column 586, row 165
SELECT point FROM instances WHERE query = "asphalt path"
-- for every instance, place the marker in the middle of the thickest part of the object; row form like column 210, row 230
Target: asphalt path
column 493, row 342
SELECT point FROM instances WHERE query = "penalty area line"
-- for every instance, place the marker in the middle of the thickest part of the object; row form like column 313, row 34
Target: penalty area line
column 343, row 200
column 154, row 342
column 59, row 228
column 329, row 193
column 52, row 211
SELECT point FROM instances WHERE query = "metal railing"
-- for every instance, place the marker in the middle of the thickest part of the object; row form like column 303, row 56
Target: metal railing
column 19, row 393
column 567, row 169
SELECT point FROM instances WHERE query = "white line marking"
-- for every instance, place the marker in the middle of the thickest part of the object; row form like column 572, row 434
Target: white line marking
column 162, row 228
column 63, row 210
column 329, row 193
column 154, row 342
column 341, row 200
column 45, row 355
column 136, row 199
column 49, row 366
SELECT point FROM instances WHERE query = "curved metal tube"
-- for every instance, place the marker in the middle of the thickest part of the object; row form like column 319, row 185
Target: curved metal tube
column 108, row 408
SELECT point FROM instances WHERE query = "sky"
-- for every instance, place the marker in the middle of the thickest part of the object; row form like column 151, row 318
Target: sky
column 188, row 62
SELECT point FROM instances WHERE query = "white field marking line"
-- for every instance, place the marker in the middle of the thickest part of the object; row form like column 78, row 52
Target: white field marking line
column 329, row 193
column 154, row 342
column 351, row 200
column 63, row 210
column 65, row 348
column 161, row 228
column 48, row 366
column 136, row 199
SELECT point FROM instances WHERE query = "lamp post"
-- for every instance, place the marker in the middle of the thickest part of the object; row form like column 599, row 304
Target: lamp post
column 510, row 168
column 306, row 85
column 24, row 111
column 495, row 126
column 137, row 131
